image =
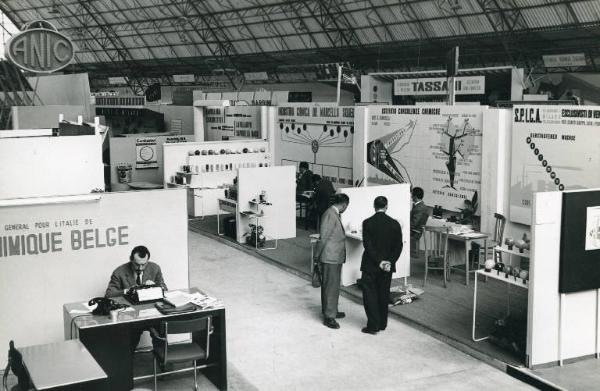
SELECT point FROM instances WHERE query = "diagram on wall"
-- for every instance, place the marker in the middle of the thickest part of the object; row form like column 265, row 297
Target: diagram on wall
column 554, row 148
column 438, row 149
column 322, row 136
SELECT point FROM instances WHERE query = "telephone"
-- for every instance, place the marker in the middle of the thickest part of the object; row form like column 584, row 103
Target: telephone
column 104, row 305
column 145, row 294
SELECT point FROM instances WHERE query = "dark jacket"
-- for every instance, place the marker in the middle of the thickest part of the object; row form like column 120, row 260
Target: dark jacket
column 304, row 183
column 418, row 218
column 323, row 192
column 124, row 278
column 382, row 239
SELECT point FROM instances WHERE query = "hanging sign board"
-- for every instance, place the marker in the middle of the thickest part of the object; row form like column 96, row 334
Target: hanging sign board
column 468, row 85
column 564, row 60
column 40, row 48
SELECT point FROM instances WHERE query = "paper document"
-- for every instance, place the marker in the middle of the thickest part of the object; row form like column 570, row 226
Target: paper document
column 148, row 312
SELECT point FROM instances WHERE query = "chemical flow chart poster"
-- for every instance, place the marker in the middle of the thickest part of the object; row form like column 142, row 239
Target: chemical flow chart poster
column 435, row 148
column 554, row 148
column 320, row 135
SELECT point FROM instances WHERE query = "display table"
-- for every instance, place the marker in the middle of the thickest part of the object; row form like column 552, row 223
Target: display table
column 109, row 342
column 145, row 186
column 500, row 276
column 63, row 365
column 467, row 238
column 460, row 233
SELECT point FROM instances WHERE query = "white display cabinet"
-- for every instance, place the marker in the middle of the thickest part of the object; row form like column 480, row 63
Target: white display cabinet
column 205, row 169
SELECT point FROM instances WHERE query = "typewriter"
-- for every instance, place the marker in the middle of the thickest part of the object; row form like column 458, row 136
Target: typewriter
column 145, row 294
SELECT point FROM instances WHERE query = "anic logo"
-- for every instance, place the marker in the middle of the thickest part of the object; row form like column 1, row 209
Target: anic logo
column 39, row 48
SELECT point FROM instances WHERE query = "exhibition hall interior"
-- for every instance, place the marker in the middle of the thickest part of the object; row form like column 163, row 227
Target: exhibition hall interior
column 315, row 195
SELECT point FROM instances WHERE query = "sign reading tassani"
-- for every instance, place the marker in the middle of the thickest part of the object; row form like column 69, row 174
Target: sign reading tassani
column 40, row 48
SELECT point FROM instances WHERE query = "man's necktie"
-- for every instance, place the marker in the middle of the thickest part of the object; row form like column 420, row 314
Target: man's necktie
column 138, row 279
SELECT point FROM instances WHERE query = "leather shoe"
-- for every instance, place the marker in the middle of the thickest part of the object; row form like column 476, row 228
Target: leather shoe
column 331, row 323
column 340, row 315
column 367, row 330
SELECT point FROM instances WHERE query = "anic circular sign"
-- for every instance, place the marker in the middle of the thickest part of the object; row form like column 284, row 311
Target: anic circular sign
column 39, row 48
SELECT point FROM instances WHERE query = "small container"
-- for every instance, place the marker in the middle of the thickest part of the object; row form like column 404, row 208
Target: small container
column 114, row 315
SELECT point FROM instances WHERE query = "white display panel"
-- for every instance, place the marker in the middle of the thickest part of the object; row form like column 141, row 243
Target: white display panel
column 553, row 148
column 49, row 166
column 88, row 240
column 278, row 184
column 320, row 135
column 361, row 208
column 436, row 148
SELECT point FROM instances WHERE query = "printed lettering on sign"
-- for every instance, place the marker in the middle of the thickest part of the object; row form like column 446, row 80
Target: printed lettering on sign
column 40, row 50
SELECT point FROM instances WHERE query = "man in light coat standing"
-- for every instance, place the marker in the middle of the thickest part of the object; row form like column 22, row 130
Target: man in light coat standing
column 331, row 253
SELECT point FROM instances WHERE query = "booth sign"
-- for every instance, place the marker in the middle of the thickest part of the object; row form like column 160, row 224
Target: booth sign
column 40, row 48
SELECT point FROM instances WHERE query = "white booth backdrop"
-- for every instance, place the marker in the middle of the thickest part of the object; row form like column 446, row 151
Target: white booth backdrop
column 50, row 166
column 88, row 240
column 361, row 208
column 410, row 144
column 322, row 135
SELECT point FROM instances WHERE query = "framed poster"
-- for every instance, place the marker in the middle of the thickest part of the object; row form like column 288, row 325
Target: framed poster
column 580, row 242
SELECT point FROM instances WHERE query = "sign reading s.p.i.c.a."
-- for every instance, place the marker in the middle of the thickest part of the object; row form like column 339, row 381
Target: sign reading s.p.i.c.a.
column 40, row 48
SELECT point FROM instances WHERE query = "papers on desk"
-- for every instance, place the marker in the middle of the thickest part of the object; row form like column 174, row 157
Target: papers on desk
column 179, row 298
column 148, row 313
column 86, row 309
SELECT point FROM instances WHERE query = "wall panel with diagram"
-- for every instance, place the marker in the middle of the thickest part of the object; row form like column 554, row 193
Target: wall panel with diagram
column 553, row 148
column 323, row 136
column 437, row 148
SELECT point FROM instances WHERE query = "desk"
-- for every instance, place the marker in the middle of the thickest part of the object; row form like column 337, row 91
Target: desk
column 467, row 238
column 109, row 342
column 500, row 276
column 63, row 365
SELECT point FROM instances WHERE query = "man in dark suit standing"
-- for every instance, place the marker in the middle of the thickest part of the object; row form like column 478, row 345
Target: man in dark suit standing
column 331, row 253
column 382, row 239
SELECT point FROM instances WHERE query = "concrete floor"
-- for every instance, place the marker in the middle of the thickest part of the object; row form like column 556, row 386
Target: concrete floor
column 276, row 340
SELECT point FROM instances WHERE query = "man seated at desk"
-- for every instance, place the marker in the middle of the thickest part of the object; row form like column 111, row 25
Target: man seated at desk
column 138, row 271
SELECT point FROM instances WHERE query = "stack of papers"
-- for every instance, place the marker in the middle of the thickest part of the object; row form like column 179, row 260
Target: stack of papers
column 178, row 298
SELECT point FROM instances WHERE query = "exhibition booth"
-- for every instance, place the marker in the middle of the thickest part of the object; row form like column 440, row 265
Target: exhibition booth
column 529, row 170
column 61, row 233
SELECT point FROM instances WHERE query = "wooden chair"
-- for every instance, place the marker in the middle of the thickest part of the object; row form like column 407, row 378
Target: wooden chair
column 495, row 240
column 182, row 352
column 436, row 250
